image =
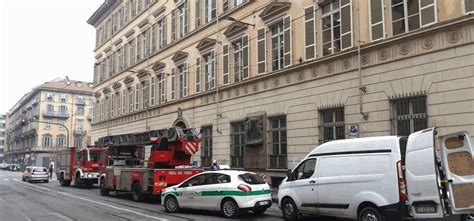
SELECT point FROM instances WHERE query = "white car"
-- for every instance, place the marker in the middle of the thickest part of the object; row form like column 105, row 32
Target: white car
column 228, row 191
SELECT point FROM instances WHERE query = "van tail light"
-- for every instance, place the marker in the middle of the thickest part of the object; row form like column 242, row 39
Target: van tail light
column 244, row 188
column 402, row 185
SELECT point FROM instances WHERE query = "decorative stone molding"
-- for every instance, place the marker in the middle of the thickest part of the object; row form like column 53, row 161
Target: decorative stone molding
column 453, row 36
column 276, row 82
column 255, row 87
column 364, row 59
column 383, row 54
column 265, row 85
column 329, row 68
column 347, row 64
column 179, row 56
column 404, row 49
column 427, row 44
column 273, row 9
column 205, row 43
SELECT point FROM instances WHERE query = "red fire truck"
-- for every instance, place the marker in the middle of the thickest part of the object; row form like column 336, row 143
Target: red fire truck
column 146, row 163
column 82, row 166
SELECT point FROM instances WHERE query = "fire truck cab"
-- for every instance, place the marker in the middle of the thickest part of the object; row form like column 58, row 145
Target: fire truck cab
column 81, row 166
column 146, row 163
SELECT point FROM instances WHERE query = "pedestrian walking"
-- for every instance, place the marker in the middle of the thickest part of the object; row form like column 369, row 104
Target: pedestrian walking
column 214, row 166
column 51, row 171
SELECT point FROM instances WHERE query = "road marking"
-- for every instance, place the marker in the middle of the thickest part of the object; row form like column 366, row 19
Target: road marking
column 5, row 179
column 16, row 209
column 61, row 216
column 96, row 202
column 15, row 179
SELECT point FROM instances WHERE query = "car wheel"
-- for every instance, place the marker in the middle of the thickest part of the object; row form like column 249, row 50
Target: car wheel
column 46, row 181
column 23, row 179
column 137, row 192
column 289, row 209
column 103, row 191
column 259, row 211
column 171, row 204
column 77, row 181
column 229, row 208
column 370, row 213
column 468, row 217
column 64, row 182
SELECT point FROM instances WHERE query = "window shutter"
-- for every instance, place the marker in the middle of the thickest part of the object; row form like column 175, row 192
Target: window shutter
column 225, row 5
column 427, row 12
column 173, row 25
column 173, row 83
column 225, row 64
column 346, row 24
column 198, row 75
column 165, row 32
column 185, row 79
column 309, row 33
column 376, row 19
column 198, row 13
column 468, row 6
column 287, row 41
column 261, row 51
column 245, row 55
column 153, row 35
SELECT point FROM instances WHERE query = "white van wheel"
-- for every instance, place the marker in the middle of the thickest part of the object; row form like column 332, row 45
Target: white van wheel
column 467, row 217
column 289, row 209
column 370, row 213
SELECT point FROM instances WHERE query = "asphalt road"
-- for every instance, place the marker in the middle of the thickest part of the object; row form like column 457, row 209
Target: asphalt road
column 22, row 201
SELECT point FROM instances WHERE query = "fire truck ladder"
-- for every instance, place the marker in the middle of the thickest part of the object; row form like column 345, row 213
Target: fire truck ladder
column 138, row 139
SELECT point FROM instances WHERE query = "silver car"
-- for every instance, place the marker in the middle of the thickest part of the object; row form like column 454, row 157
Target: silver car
column 35, row 174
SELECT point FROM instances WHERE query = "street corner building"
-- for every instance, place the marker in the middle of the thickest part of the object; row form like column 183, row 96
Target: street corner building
column 267, row 81
column 57, row 115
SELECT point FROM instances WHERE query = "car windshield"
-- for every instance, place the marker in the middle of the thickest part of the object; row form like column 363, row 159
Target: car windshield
column 251, row 178
column 94, row 155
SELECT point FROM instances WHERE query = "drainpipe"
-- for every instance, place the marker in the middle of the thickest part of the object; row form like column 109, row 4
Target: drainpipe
column 362, row 89
column 215, row 72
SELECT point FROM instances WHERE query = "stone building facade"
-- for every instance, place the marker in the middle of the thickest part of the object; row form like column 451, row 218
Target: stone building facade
column 59, row 115
column 268, row 81
column 3, row 119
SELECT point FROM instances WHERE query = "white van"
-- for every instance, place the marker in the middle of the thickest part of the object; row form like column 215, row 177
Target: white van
column 364, row 179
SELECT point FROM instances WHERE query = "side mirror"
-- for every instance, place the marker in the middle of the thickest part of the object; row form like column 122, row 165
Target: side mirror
column 289, row 175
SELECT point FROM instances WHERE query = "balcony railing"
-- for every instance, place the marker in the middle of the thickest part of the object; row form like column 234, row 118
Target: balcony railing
column 78, row 131
column 57, row 114
column 80, row 102
column 278, row 162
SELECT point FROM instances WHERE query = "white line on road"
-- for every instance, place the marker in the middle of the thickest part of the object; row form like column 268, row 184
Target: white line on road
column 96, row 202
column 5, row 179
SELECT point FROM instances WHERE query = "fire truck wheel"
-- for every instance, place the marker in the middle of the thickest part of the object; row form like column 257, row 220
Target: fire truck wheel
column 77, row 181
column 171, row 204
column 103, row 191
column 137, row 192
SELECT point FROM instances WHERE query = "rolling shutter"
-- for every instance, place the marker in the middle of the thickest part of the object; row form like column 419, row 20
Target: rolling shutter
column 287, row 41
column 346, row 24
column 261, row 51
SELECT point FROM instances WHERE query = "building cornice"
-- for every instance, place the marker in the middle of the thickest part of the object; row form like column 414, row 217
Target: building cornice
column 103, row 11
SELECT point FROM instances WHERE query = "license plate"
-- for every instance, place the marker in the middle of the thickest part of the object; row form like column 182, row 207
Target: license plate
column 425, row 208
column 263, row 203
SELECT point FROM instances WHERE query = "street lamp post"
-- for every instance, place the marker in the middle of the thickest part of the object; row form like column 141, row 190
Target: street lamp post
column 65, row 127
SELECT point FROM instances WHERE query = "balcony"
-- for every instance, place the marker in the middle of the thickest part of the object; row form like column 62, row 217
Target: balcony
column 79, row 131
column 56, row 114
column 80, row 102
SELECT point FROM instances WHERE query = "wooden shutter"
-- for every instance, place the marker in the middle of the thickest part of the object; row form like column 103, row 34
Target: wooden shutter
column 153, row 36
column 225, row 63
column 427, row 12
column 197, row 77
column 261, row 51
column 225, row 5
column 309, row 33
column 165, row 31
column 346, row 24
column 198, row 13
column 245, row 57
column 185, row 79
column 173, row 25
column 376, row 20
column 173, row 83
column 287, row 41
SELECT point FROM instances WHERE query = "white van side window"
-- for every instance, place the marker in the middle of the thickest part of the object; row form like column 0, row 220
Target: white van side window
column 305, row 170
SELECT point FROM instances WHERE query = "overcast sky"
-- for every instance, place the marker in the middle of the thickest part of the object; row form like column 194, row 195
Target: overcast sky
column 41, row 40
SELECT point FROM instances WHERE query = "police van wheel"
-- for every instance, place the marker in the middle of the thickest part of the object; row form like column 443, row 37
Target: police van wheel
column 171, row 204
column 229, row 208
column 289, row 209
column 370, row 213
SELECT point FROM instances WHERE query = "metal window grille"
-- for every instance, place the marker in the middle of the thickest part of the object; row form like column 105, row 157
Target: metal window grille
column 278, row 156
column 206, row 147
column 409, row 115
column 237, row 135
column 331, row 124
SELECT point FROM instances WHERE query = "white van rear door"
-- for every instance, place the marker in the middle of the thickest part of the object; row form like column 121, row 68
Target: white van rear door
column 458, row 162
column 421, row 176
